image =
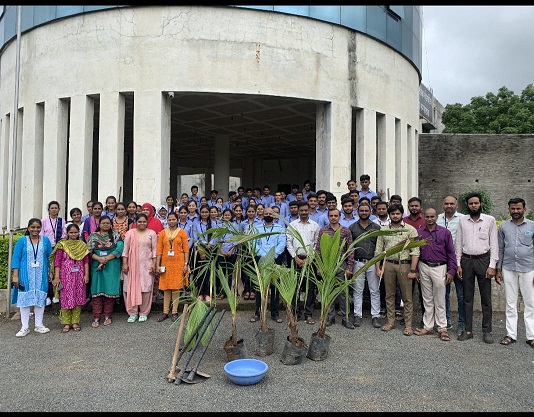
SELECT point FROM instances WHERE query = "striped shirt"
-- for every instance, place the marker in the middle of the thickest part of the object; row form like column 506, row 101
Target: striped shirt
column 477, row 238
column 308, row 231
column 345, row 240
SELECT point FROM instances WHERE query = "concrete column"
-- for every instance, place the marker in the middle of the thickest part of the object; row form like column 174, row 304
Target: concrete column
column 4, row 173
column 221, row 165
column 81, row 151
column 386, row 156
column 413, row 162
column 151, row 142
column 401, row 161
column 111, row 146
column 333, row 147
column 55, row 153
column 32, row 160
column 365, row 144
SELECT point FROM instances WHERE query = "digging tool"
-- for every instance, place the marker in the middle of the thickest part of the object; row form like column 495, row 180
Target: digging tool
column 172, row 374
column 194, row 376
column 180, row 375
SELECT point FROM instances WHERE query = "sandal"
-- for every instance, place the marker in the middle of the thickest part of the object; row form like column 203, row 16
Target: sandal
column 76, row 327
column 507, row 341
column 310, row 320
column 443, row 335
column 95, row 323
column 423, row 331
column 252, row 296
column 254, row 319
column 530, row 343
column 246, row 296
column 407, row 331
column 277, row 319
column 107, row 321
column 66, row 328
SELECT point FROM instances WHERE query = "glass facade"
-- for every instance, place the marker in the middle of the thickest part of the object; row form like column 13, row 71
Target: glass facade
column 399, row 27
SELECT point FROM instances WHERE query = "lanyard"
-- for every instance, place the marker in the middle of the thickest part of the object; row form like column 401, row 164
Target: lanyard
column 34, row 249
column 264, row 229
column 54, row 226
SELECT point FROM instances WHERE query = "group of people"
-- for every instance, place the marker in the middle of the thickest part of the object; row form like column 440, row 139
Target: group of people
column 135, row 251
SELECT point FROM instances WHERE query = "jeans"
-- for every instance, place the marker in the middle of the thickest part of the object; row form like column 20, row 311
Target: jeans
column 460, row 296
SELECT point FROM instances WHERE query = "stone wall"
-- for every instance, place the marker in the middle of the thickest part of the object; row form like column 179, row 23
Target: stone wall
column 502, row 165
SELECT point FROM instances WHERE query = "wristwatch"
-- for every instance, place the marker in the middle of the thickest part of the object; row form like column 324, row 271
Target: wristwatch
column 413, row 270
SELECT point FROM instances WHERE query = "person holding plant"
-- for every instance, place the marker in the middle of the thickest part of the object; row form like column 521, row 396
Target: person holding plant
column 346, row 270
column 262, row 246
column 30, row 276
column 69, row 263
column 172, row 259
column 106, row 248
column 139, row 268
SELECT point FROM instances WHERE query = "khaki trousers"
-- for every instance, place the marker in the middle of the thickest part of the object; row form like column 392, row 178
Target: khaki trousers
column 394, row 273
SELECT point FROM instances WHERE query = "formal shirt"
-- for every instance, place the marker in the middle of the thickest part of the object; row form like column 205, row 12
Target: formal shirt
column 451, row 224
column 315, row 216
column 369, row 194
column 290, row 218
column 345, row 239
column 198, row 229
column 382, row 223
column 244, row 202
column 267, row 200
column 284, row 208
column 278, row 241
column 477, row 238
column 308, row 231
column 305, row 194
column 343, row 221
column 383, row 243
column 417, row 223
column 516, row 246
column 291, row 197
column 195, row 198
column 439, row 248
column 366, row 248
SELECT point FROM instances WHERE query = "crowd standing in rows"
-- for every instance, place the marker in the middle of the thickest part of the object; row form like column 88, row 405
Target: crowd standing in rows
column 135, row 252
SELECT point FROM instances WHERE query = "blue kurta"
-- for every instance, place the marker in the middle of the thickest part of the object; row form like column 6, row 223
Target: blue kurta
column 34, row 279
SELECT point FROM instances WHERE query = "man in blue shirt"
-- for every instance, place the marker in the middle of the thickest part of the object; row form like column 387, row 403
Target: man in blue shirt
column 365, row 191
column 293, row 196
column 266, row 199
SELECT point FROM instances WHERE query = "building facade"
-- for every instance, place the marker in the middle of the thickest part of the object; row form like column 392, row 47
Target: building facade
column 122, row 100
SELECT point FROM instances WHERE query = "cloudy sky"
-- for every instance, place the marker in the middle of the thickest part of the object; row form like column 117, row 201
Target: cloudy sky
column 469, row 51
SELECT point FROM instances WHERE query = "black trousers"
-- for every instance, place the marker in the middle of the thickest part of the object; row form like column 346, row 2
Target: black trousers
column 471, row 269
column 275, row 295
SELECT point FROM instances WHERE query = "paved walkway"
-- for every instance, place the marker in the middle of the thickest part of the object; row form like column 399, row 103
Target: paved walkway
column 123, row 367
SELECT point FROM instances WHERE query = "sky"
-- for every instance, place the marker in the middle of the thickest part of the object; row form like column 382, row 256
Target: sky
column 469, row 51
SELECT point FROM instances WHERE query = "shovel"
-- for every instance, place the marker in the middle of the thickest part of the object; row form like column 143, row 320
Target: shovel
column 194, row 376
column 172, row 374
column 197, row 343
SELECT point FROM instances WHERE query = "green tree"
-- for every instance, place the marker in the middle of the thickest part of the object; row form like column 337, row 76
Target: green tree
column 504, row 113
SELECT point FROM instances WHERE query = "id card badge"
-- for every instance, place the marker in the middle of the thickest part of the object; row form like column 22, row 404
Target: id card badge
column 35, row 264
column 170, row 253
column 75, row 269
column 103, row 253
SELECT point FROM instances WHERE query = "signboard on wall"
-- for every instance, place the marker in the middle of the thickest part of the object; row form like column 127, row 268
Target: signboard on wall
column 426, row 109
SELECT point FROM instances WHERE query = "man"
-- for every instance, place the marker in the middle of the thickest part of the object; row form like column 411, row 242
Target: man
column 282, row 206
column 351, row 185
column 194, row 195
column 267, row 199
column 417, row 220
column 399, row 268
column 321, row 201
column 263, row 245
column 355, row 195
column 345, row 241
column 331, row 203
column 232, row 195
column 382, row 216
column 450, row 219
column 477, row 253
column 516, row 269
column 313, row 212
column 213, row 197
column 347, row 217
column 307, row 191
column 299, row 254
column 256, row 194
column 241, row 194
column 365, row 200
column 293, row 211
column 365, row 191
column 374, row 200
column 248, row 196
column 437, row 267
column 396, row 199
column 89, row 210
column 293, row 196
column 363, row 252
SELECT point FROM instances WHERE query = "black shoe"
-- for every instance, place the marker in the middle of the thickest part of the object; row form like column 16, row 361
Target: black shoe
column 464, row 336
column 174, row 317
column 449, row 325
column 488, row 338
column 347, row 324
column 375, row 322
column 357, row 321
column 331, row 321
column 164, row 316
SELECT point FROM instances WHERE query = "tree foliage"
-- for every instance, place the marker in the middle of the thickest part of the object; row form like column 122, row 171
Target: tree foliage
column 504, row 113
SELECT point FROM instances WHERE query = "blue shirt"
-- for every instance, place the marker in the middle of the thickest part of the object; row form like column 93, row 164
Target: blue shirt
column 187, row 228
column 315, row 216
column 267, row 200
column 278, row 241
column 284, row 208
column 369, row 194
column 343, row 221
column 291, row 197
column 197, row 230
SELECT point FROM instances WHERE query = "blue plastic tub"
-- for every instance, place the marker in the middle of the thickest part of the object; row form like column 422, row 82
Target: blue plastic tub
column 246, row 371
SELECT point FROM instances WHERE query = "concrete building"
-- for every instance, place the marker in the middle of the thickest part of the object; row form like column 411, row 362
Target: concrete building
column 124, row 101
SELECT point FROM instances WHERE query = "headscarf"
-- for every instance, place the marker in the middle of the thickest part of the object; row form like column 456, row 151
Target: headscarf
column 75, row 249
column 153, row 223
column 158, row 216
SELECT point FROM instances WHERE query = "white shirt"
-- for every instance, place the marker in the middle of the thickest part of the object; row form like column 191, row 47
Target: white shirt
column 451, row 224
column 308, row 231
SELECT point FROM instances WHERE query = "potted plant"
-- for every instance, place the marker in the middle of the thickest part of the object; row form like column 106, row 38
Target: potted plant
column 332, row 259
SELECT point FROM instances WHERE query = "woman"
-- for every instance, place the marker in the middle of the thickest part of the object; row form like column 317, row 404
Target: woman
column 76, row 216
column 228, row 250
column 30, row 276
column 203, row 201
column 202, row 246
column 69, row 263
column 172, row 255
column 161, row 215
column 214, row 216
column 139, row 268
column 91, row 224
column 238, row 214
column 170, row 204
column 111, row 202
column 192, row 214
column 131, row 209
column 120, row 222
column 184, row 200
column 106, row 248
column 260, row 209
column 153, row 223
column 184, row 224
